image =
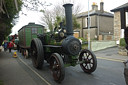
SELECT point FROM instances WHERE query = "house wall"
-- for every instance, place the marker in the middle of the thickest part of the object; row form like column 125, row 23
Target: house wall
column 106, row 24
column 93, row 21
column 92, row 33
column 83, row 23
column 117, row 25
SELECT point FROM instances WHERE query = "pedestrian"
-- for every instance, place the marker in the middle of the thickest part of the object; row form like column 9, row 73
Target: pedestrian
column 10, row 46
column 5, row 44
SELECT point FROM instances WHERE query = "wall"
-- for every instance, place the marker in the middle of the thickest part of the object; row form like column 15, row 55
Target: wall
column 93, row 21
column 117, row 26
column 106, row 24
column 92, row 33
column 99, row 45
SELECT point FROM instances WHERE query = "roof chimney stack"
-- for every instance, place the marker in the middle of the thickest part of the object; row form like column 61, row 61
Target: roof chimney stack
column 94, row 6
column 102, row 6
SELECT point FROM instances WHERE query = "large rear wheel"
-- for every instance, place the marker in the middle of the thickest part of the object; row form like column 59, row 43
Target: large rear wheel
column 57, row 67
column 89, row 61
column 37, row 53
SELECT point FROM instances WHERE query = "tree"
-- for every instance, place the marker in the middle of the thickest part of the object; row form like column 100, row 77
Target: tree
column 57, row 21
column 35, row 5
column 58, row 14
column 9, row 10
column 47, row 19
column 76, row 25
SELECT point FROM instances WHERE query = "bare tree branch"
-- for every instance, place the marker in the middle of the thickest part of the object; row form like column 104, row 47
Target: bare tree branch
column 47, row 19
column 1, row 7
column 34, row 5
column 16, row 4
column 5, row 8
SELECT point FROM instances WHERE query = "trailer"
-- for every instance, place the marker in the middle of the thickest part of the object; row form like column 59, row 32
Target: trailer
column 26, row 34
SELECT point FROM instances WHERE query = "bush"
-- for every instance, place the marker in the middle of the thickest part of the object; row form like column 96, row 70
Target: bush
column 84, row 43
column 122, row 42
column 83, row 40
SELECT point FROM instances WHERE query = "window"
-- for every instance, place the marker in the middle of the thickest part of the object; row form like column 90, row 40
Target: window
column 86, row 21
column 126, row 19
column 34, row 30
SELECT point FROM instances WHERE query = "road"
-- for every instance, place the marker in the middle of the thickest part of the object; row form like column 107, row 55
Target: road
column 109, row 70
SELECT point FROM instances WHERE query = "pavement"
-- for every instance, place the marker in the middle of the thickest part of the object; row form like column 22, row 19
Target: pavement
column 12, row 73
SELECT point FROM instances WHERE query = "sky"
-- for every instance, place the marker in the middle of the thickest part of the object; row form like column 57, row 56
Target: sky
column 33, row 16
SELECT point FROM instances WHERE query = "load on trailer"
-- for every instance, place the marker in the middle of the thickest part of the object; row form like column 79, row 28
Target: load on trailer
column 26, row 34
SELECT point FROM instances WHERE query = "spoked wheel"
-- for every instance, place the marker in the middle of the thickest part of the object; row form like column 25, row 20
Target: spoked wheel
column 57, row 67
column 89, row 61
column 37, row 53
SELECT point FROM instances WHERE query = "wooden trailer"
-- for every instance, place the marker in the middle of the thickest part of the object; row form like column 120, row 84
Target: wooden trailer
column 26, row 34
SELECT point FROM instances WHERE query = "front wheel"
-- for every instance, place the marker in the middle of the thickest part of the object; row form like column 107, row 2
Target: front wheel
column 57, row 67
column 89, row 61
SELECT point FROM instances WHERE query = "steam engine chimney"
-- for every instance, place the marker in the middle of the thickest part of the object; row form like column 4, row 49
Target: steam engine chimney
column 102, row 6
column 68, row 14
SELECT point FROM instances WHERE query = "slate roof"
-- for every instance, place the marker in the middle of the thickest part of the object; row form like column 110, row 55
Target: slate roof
column 95, row 12
column 120, row 7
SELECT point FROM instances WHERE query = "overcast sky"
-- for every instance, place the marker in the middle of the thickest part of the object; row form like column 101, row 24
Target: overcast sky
column 35, row 16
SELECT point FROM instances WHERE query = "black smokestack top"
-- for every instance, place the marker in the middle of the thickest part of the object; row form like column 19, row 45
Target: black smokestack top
column 68, row 14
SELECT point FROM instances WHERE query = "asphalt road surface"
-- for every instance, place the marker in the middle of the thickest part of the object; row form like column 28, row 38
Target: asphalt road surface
column 109, row 71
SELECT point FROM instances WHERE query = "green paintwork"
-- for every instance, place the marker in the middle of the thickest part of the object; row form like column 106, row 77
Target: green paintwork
column 67, row 65
column 26, row 34
column 73, row 60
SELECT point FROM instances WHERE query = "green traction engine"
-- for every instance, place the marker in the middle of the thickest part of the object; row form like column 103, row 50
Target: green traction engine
column 61, row 49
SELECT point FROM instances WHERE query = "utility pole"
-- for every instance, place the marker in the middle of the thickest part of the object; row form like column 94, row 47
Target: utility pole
column 88, row 27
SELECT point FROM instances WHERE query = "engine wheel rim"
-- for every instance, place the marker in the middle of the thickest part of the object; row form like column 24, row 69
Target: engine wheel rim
column 89, row 62
column 56, row 68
